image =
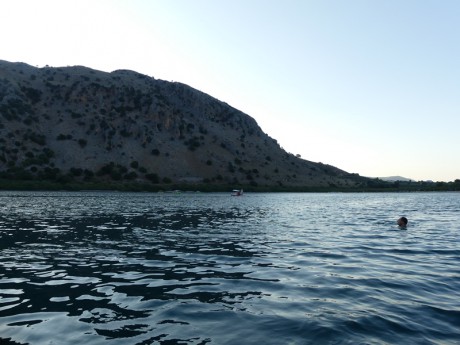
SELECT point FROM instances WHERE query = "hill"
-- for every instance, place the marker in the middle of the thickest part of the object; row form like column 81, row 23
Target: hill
column 396, row 178
column 79, row 124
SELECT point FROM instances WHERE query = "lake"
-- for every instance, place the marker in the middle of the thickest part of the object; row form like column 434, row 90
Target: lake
column 199, row 268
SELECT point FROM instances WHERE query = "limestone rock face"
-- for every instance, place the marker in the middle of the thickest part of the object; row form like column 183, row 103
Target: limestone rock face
column 83, row 124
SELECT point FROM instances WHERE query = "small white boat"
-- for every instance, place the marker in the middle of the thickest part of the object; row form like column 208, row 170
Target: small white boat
column 237, row 192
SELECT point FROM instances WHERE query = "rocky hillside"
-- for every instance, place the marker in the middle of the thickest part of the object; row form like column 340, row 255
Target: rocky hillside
column 75, row 123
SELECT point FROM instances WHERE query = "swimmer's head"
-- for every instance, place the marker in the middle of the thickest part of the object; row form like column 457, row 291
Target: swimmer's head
column 402, row 222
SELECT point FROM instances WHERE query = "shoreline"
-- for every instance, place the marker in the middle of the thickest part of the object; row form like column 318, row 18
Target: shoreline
column 34, row 185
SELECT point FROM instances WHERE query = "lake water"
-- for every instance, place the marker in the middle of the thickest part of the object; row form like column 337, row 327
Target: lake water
column 196, row 268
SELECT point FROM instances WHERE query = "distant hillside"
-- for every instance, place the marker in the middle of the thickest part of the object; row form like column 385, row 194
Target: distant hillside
column 79, row 124
column 395, row 178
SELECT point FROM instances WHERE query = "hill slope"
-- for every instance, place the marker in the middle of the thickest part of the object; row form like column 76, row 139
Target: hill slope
column 75, row 123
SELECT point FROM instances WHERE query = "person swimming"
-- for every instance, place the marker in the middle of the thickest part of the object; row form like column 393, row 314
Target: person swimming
column 402, row 222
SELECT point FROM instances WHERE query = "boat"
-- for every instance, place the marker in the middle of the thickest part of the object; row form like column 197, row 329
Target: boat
column 237, row 192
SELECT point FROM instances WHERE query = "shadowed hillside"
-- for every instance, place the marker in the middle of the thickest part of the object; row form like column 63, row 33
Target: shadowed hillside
column 79, row 124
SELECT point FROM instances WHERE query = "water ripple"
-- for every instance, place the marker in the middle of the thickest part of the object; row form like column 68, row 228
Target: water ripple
column 79, row 268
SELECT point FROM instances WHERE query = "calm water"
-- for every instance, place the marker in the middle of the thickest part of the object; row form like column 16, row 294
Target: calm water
column 120, row 268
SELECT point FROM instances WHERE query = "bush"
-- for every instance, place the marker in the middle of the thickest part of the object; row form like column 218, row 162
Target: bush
column 64, row 179
column 193, row 143
column 131, row 176
column 64, row 137
column 76, row 171
column 50, row 173
column 20, row 174
column 116, row 175
column 37, row 138
column 88, row 174
column 152, row 177
column 106, row 169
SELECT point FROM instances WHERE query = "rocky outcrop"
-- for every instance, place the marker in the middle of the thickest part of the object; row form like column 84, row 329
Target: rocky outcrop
column 82, row 124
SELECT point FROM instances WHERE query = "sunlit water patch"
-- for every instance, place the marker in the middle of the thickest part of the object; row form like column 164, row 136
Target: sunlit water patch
column 191, row 268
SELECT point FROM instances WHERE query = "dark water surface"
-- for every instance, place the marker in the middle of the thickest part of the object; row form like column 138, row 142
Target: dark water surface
column 191, row 268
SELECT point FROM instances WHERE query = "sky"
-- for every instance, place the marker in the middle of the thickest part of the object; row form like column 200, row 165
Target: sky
column 369, row 86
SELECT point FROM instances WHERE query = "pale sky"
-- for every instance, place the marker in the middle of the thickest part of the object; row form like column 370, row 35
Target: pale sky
column 371, row 87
